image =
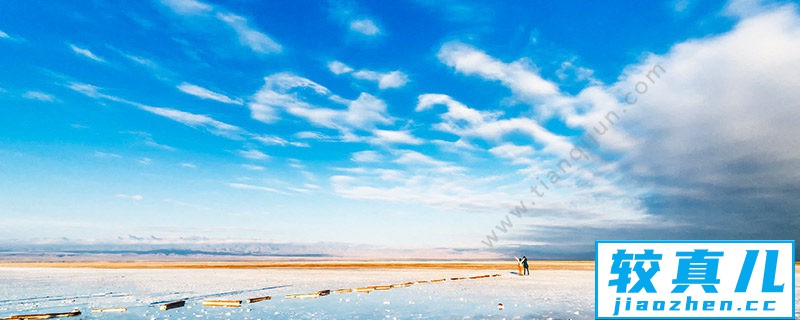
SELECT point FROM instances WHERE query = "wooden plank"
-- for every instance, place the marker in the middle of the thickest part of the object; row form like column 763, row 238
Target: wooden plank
column 222, row 303
column 438, row 280
column 173, row 305
column 496, row 275
column 423, row 281
column 480, row 277
column 344, row 290
column 365, row 289
column 258, row 299
column 323, row 293
column 383, row 287
column 73, row 313
column 109, row 310
column 301, row 295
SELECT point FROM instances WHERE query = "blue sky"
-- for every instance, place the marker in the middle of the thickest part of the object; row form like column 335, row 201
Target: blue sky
column 413, row 125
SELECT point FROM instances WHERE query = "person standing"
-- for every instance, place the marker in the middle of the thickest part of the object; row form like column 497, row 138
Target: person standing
column 524, row 263
column 519, row 266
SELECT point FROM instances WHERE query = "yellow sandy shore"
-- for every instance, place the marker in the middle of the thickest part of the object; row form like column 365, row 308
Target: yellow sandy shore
column 475, row 265
column 465, row 265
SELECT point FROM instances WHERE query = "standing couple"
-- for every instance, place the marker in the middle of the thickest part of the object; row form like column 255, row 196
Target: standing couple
column 523, row 264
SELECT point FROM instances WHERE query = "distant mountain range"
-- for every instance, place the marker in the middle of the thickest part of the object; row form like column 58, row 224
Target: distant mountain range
column 155, row 248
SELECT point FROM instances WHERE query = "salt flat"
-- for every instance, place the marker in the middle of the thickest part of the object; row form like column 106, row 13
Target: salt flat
column 544, row 295
column 547, row 294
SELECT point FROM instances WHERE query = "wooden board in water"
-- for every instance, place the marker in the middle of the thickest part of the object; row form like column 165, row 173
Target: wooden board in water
column 73, row 313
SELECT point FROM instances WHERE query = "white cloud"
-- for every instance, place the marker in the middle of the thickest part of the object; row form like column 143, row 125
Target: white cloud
column 460, row 146
column 365, row 112
column 106, row 155
column 366, row 156
column 299, row 190
column 394, row 137
column 188, row 165
column 517, row 154
column 441, row 190
column 456, row 111
column 135, row 197
column 253, row 154
column 194, row 120
column 415, row 159
column 4, row 35
column 204, row 93
column 252, row 38
column 338, row 67
column 145, row 161
column 385, row 80
column 569, row 71
column 271, row 140
column 749, row 8
column 256, row 40
column 393, row 79
column 141, row 61
column 312, row 135
column 720, row 103
column 288, row 93
column 90, row 90
column 430, row 182
column 520, row 76
column 147, row 140
column 466, row 122
column 86, row 53
column 365, row 26
column 38, row 95
column 680, row 5
column 350, row 15
column 277, row 93
column 190, row 119
column 252, row 167
column 188, row 7
column 254, row 187
column 712, row 134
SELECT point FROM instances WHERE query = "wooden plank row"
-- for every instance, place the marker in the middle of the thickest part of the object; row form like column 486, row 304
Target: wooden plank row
column 73, row 313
